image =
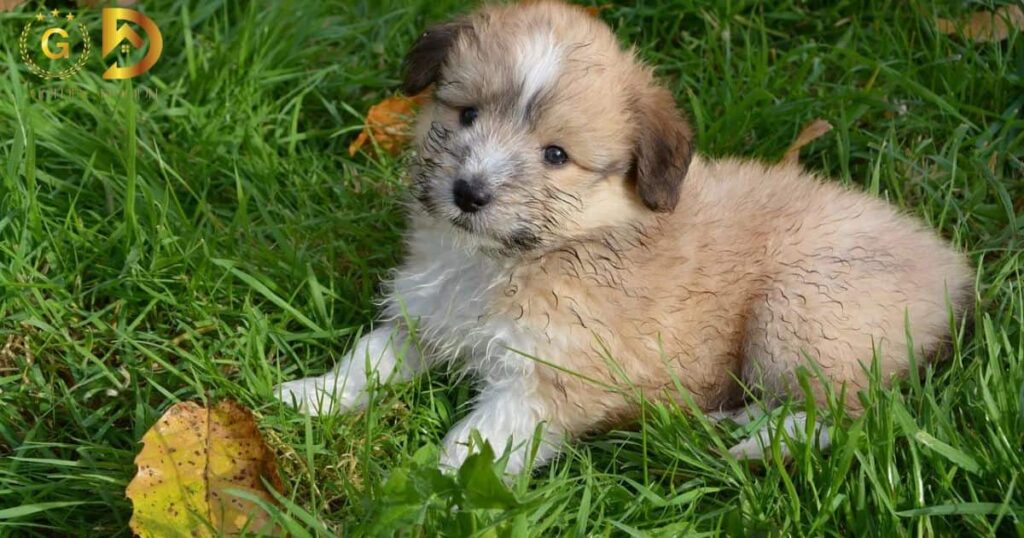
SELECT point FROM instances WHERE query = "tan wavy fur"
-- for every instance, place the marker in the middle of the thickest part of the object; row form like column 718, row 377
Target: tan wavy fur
column 566, row 289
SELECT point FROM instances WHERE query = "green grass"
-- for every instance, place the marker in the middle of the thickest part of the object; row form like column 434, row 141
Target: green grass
column 217, row 239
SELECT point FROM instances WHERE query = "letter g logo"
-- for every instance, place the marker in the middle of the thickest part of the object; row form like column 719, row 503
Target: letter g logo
column 62, row 46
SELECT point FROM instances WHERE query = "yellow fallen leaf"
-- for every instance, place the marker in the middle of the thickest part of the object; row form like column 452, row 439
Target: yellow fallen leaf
column 811, row 132
column 189, row 459
column 389, row 124
column 985, row 26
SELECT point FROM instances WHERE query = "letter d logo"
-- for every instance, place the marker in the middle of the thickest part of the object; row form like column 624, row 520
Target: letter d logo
column 114, row 36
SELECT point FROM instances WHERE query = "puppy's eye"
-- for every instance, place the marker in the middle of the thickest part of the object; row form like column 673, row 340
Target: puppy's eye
column 555, row 155
column 468, row 115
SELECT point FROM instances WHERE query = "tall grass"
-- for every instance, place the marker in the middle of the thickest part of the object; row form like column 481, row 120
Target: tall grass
column 215, row 239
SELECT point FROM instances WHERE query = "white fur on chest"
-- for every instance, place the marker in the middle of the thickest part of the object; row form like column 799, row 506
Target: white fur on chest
column 448, row 290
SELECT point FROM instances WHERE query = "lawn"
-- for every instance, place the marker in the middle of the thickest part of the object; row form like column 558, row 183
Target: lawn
column 214, row 237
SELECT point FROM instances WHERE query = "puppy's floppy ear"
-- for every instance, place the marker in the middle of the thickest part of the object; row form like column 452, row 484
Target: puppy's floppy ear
column 664, row 147
column 423, row 63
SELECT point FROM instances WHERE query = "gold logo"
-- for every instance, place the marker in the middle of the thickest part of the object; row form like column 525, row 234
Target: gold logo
column 55, row 43
column 114, row 36
column 48, row 43
column 65, row 51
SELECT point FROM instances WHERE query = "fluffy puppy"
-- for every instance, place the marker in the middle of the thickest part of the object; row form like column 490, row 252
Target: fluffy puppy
column 568, row 250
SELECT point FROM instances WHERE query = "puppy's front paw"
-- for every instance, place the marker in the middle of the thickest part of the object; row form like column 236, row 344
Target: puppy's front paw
column 793, row 427
column 754, row 448
column 318, row 395
column 453, row 455
column 307, row 395
column 457, row 448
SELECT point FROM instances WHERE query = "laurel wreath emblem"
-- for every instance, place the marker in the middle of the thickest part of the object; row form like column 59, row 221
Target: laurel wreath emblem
column 63, row 73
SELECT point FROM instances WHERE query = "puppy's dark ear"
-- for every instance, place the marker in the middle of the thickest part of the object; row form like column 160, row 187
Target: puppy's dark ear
column 663, row 151
column 423, row 63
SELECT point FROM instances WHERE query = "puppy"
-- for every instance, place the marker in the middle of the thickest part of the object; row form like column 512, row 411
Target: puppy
column 569, row 251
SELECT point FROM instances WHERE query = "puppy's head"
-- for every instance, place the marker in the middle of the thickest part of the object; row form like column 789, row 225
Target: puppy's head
column 540, row 127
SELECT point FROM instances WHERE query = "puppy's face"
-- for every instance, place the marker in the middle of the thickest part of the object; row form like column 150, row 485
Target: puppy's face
column 540, row 128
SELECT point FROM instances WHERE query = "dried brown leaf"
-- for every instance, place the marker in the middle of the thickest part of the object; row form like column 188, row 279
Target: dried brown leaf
column 9, row 5
column 97, row 3
column 811, row 132
column 985, row 26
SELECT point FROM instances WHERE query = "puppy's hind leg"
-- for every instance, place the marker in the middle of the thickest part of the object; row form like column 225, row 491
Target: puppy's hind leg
column 794, row 327
column 758, row 445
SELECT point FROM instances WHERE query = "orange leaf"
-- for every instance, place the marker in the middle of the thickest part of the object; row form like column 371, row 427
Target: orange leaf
column 811, row 132
column 985, row 26
column 389, row 124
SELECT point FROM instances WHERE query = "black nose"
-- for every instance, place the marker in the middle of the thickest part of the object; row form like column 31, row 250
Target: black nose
column 470, row 196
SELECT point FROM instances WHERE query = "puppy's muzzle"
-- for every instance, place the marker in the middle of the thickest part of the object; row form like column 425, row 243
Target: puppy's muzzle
column 471, row 195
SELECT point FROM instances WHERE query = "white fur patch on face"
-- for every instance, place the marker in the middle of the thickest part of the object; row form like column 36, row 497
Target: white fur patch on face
column 487, row 158
column 538, row 64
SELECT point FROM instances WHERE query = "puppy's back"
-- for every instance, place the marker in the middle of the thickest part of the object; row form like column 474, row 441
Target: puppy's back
column 842, row 276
